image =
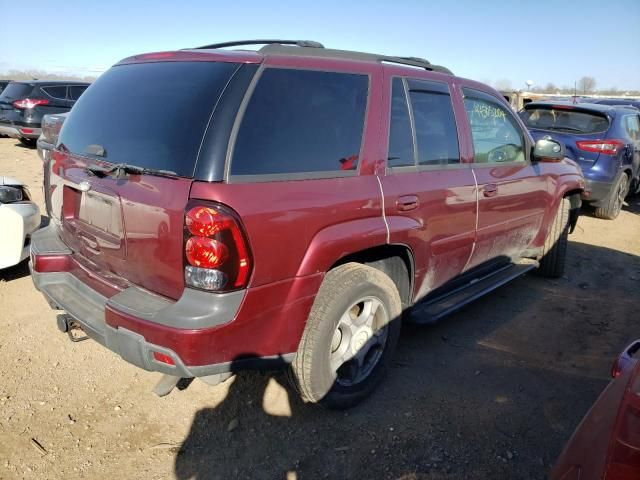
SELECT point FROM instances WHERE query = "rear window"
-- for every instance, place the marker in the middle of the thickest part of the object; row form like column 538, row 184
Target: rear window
column 15, row 91
column 152, row 115
column 302, row 122
column 564, row 120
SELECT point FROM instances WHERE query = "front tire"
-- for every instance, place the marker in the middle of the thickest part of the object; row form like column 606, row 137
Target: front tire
column 613, row 203
column 555, row 246
column 350, row 337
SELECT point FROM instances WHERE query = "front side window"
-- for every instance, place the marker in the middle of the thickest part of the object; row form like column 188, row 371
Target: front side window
column 301, row 122
column 75, row 91
column 59, row 92
column 496, row 136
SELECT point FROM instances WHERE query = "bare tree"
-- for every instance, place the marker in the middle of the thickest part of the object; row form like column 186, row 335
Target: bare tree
column 587, row 85
column 43, row 75
column 503, row 84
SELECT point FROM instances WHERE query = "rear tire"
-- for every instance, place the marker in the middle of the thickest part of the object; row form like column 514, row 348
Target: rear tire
column 555, row 246
column 350, row 337
column 613, row 203
column 28, row 142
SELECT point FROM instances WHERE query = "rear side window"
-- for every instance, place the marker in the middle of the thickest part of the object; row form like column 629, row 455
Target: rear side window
column 564, row 120
column 632, row 126
column 301, row 122
column 151, row 115
column 435, row 124
column 15, row 91
column 75, row 91
column 57, row 92
column 401, row 153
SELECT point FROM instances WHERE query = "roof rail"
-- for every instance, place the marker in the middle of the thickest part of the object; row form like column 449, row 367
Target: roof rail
column 239, row 43
column 281, row 49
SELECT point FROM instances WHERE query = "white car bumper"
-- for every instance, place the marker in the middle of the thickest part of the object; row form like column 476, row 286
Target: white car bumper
column 17, row 222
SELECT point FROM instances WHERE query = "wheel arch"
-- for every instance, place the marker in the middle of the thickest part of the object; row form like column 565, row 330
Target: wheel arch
column 394, row 260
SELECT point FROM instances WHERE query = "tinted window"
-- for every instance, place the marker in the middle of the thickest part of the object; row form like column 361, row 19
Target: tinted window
column 59, row 92
column 436, row 133
column 300, row 121
column 564, row 120
column 75, row 91
column 496, row 136
column 632, row 125
column 16, row 91
column 152, row 115
column 400, row 137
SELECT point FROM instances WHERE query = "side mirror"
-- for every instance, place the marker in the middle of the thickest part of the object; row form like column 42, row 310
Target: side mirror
column 548, row 150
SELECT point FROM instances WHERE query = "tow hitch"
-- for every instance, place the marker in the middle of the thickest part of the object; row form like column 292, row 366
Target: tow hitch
column 66, row 324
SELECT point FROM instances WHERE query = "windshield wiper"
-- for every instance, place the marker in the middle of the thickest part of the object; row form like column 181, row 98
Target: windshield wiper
column 121, row 170
column 568, row 129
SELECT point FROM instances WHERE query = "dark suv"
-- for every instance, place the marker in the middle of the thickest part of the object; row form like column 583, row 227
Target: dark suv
column 286, row 206
column 23, row 104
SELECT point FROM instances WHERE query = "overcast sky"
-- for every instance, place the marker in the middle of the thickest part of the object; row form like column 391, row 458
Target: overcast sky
column 491, row 41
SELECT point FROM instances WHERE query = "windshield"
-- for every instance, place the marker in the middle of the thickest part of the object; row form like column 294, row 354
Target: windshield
column 560, row 119
column 151, row 115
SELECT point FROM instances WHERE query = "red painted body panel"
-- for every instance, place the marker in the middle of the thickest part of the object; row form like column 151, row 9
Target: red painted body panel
column 139, row 238
column 606, row 444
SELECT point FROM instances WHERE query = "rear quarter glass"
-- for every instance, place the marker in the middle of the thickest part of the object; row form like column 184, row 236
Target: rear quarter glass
column 151, row 115
column 301, row 122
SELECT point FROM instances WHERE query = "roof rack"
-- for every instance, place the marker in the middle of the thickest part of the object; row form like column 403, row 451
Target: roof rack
column 316, row 49
column 282, row 49
column 239, row 43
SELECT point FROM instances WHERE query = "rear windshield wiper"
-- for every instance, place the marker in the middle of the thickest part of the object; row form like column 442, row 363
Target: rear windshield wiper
column 121, row 170
column 567, row 129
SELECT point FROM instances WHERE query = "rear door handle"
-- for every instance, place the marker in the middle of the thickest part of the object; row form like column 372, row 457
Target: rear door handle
column 490, row 190
column 407, row 202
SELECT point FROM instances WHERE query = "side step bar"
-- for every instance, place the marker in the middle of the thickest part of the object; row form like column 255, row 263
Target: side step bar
column 432, row 309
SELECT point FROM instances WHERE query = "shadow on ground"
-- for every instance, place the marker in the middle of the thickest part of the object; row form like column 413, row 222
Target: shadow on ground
column 493, row 391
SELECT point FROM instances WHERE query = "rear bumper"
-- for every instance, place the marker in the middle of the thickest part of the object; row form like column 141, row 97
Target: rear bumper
column 202, row 333
column 596, row 191
column 16, row 131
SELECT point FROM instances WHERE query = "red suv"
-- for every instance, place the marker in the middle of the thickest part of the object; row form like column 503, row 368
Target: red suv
column 216, row 210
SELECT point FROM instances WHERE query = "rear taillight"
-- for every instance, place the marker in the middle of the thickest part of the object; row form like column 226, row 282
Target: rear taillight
column 608, row 147
column 626, row 359
column 29, row 103
column 216, row 250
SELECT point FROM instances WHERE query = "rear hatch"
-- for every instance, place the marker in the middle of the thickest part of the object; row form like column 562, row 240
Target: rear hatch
column 14, row 91
column 126, row 224
column 569, row 125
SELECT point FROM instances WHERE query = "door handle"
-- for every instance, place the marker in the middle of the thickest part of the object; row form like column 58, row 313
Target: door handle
column 490, row 190
column 408, row 202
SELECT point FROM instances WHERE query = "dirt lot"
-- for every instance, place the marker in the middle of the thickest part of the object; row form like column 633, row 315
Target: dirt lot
column 493, row 392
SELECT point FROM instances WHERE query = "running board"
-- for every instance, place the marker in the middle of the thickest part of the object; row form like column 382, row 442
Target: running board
column 432, row 309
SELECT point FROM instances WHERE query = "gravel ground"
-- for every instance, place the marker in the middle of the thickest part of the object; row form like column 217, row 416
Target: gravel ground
column 493, row 391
